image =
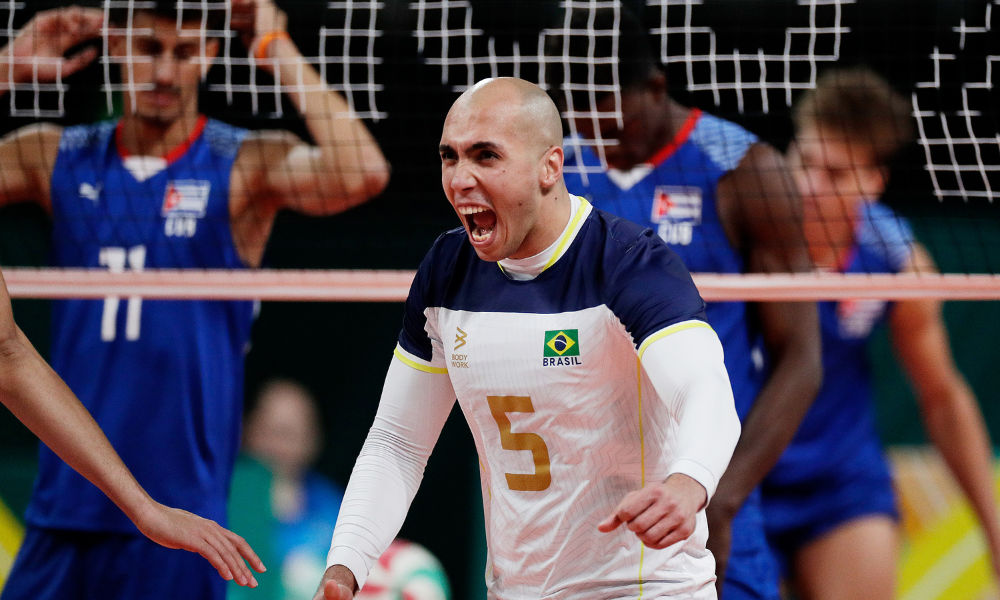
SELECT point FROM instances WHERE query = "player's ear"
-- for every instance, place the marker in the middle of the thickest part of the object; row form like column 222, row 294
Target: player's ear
column 657, row 83
column 552, row 167
column 211, row 51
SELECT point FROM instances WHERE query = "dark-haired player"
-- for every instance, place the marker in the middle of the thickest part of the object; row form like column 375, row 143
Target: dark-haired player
column 829, row 508
column 163, row 187
column 725, row 202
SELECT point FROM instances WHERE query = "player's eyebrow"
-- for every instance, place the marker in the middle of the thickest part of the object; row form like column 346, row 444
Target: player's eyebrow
column 484, row 146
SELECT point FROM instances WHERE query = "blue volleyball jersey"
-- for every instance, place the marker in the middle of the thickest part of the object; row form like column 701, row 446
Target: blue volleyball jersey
column 164, row 379
column 838, row 433
column 675, row 195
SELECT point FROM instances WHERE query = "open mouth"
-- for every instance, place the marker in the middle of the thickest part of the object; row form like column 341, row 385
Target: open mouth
column 480, row 221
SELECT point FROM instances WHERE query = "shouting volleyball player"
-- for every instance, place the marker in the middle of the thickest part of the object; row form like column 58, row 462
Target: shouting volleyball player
column 829, row 507
column 161, row 188
column 576, row 345
column 40, row 400
column 726, row 203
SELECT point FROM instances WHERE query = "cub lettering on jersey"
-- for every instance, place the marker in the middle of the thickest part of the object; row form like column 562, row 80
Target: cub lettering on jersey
column 676, row 211
column 183, row 204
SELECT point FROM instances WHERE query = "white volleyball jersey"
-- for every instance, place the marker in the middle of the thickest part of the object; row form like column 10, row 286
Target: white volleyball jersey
column 565, row 421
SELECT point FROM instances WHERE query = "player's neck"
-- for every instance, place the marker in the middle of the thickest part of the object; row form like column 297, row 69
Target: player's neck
column 551, row 223
column 153, row 137
column 670, row 122
column 830, row 243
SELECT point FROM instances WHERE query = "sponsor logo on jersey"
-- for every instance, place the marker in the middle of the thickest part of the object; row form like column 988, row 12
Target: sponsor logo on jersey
column 677, row 204
column 459, row 361
column 91, row 192
column 676, row 211
column 562, row 348
column 184, row 202
column 187, row 198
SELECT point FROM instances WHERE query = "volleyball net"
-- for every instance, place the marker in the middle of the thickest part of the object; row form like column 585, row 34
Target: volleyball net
column 399, row 65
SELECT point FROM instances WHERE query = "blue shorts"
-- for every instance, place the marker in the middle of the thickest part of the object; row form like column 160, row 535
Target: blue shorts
column 55, row 564
column 796, row 515
column 751, row 573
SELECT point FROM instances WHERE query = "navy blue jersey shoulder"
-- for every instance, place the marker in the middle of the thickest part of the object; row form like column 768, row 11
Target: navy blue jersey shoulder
column 612, row 262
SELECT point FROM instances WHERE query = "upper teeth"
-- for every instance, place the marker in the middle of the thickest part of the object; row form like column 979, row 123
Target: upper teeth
column 471, row 210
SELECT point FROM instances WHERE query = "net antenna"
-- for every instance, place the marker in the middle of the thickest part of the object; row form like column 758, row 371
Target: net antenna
column 823, row 29
column 35, row 87
column 964, row 164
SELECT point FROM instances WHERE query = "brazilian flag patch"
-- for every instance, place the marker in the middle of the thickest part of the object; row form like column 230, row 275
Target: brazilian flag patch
column 562, row 342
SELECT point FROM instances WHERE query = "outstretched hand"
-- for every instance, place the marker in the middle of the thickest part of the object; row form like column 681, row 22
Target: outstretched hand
column 179, row 529
column 338, row 584
column 662, row 514
column 44, row 40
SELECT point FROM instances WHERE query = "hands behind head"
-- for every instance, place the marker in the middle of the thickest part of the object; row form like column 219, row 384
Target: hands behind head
column 179, row 529
column 253, row 19
column 661, row 514
column 44, row 40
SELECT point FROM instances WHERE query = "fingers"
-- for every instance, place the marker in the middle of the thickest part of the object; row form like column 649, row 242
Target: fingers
column 231, row 556
column 212, row 556
column 610, row 524
column 78, row 61
column 628, row 509
column 246, row 551
column 69, row 26
column 333, row 590
column 654, row 516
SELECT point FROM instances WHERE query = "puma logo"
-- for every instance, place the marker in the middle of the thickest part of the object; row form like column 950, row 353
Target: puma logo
column 91, row 192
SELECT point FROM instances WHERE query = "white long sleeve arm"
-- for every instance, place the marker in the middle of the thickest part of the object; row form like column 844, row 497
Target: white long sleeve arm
column 413, row 409
column 689, row 375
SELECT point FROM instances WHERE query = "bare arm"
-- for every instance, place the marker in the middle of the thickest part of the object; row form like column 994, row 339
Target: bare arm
column 345, row 167
column 27, row 156
column 763, row 212
column 948, row 406
column 39, row 399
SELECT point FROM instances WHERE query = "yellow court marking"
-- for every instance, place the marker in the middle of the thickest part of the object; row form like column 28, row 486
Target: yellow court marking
column 11, row 534
column 418, row 366
column 947, row 561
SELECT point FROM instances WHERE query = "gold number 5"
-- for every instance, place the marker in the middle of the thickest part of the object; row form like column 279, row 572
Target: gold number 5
column 521, row 482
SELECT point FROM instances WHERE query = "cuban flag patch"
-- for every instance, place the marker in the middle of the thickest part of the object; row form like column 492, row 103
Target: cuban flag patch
column 677, row 204
column 186, row 198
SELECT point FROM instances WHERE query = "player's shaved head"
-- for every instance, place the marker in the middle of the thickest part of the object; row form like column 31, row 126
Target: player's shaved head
column 520, row 104
column 501, row 168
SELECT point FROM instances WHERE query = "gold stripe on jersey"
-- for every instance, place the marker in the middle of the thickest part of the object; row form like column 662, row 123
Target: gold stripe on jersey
column 570, row 234
column 406, row 360
column 675, row 328
column 659, row 335
column 642, row 459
